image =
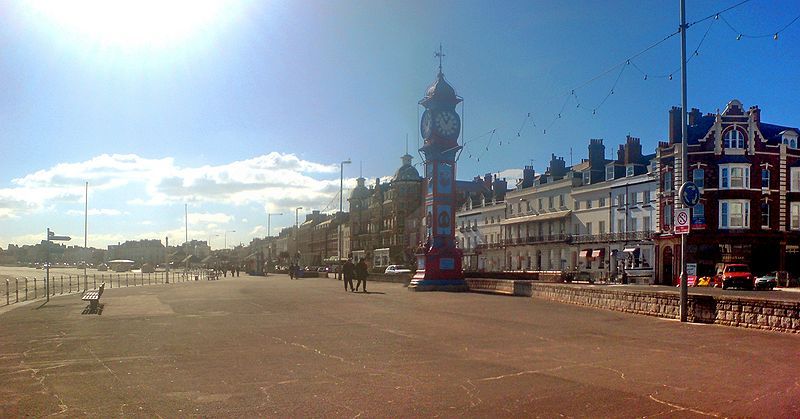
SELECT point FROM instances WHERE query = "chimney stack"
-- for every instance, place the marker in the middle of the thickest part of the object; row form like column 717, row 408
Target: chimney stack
column 675, row 125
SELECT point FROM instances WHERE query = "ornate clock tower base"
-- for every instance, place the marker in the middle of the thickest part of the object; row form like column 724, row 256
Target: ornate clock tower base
column 439, row 270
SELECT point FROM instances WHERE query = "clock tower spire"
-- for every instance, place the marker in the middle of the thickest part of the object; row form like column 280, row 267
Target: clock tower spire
column 439, row 259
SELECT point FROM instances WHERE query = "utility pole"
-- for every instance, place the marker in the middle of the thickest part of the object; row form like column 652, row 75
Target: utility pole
column 296, row 234
column 85, row 235
column 684, row 156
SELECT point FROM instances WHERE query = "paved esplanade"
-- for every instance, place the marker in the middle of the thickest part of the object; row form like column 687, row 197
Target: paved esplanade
column 273, row 347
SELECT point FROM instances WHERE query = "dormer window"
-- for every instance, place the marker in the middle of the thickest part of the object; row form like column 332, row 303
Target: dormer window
column 586, row 178
column 610, row 173
column 734, row 139
column 789, row 137
column 629, row 171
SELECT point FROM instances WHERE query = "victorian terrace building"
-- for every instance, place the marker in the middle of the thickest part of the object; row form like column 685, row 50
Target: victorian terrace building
column 749, row 174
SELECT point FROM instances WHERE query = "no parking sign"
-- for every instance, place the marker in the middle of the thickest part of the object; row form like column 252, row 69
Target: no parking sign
column 682, row 221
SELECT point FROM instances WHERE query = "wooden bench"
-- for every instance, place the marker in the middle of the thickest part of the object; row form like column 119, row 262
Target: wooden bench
column 93, row 297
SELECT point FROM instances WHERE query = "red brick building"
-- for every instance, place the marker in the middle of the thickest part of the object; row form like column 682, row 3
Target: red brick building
column 749, row 174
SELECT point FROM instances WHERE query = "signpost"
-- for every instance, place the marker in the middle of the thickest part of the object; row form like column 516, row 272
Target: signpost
column 682, row 221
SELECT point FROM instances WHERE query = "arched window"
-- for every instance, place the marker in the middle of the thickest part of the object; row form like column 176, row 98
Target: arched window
column 734, row 139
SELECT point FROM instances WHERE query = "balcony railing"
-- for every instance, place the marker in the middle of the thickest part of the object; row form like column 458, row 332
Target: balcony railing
column 612, row 237
column 551, row 238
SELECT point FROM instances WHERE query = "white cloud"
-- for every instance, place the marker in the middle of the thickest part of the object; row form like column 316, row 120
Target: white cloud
column 257, row 230
column 98, row 211
column 278, row 181
column 205, row 218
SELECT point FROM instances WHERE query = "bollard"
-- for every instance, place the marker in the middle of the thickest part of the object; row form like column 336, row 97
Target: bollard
column 70, row 283
column 35, row 292
column 16, row 288
column 26, row 288
column 62, row 284
column 94, row 280
column 148, row 280
column 8, row 300
column 126, row 279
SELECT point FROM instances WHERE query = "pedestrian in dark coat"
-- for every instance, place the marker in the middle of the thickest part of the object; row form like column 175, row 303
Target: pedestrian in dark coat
column 361, row 275
column 348, row 271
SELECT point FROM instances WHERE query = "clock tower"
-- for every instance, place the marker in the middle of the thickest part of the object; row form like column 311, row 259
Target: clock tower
column 439, row 260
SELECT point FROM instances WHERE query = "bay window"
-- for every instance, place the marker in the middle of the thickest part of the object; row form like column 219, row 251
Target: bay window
column 794, row 216
column 734, row 176
column 734, row 214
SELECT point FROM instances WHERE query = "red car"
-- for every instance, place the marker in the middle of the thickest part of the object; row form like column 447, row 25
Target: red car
column 734, row 275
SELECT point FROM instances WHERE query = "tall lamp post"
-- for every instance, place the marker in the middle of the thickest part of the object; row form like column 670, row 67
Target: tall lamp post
column 269, row 243
column 226, row 237
column 296, row 233
column 341, row 210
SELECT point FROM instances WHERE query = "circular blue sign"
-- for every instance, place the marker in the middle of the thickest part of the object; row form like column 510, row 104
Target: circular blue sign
column 689, row 193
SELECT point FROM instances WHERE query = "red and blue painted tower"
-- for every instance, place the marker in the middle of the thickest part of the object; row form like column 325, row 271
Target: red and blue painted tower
column 439, row 260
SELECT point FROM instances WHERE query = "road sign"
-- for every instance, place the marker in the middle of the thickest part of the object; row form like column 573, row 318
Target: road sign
column 689, row 193
column 682, row 221
column 691, row 269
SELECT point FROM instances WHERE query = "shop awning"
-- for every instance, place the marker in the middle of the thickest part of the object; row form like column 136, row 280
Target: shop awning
column 585, row 253
column 598, row 253
column 630, row 250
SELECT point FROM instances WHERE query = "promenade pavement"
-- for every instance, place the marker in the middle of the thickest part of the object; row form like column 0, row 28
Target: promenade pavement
column 272, row 347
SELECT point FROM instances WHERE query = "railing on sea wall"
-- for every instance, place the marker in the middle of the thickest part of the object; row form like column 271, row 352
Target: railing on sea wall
column 21, row 289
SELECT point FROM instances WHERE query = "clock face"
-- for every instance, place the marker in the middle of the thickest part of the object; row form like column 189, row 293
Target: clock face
column 447, row 124
column 426, row 124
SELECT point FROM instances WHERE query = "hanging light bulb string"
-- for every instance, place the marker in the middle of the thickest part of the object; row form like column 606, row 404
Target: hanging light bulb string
column 774, row 35
column 620, row 67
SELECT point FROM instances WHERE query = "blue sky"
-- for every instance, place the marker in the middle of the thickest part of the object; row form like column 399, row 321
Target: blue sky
column 242, row 108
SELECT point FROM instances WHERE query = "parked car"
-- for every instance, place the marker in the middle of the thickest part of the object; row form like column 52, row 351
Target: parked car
column 734, row 275
column 396, row 269
column 767, row 282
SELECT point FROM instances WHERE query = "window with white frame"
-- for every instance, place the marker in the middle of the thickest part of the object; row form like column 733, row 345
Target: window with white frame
column 610, row 173
column 790, row 139
column 550, row 202
column 601, row 225
column 733, row 139
column 634, row 224
column 646, row 223
column 667, row 181
column 734, row 213
column 734, row 176
column 602, row 202
column 586, row 177
column 620, row 225
column 588, row 204
column 588, row 228
column 795, row 179
column 794, row 216
column 764, row 215
column 667, row 219
column 632, row 200
column 765, row 178
column 561, row 201
column 646, row 197
column 629, row 171
column 699, row 177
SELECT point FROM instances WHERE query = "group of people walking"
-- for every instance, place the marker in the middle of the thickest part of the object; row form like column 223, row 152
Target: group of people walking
column 357, row 271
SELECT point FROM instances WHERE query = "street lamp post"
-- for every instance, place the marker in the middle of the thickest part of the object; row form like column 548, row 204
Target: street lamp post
column 296, row 232
column 226, row 237
column 269, row 243
column 341, row 210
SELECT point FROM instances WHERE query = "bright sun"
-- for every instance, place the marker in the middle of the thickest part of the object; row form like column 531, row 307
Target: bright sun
column 136, row 24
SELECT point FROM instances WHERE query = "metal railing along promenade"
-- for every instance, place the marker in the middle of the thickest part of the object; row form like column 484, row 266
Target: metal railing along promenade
column 21, row 289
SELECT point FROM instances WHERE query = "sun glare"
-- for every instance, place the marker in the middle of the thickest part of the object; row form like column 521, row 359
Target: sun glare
column 138, row 24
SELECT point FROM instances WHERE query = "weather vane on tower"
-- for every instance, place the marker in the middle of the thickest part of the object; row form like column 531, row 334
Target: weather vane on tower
column 439, row 54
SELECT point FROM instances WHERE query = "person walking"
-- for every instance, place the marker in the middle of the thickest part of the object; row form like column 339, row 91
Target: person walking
column 348, row 271
column 361, row 275
column 291, row 271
